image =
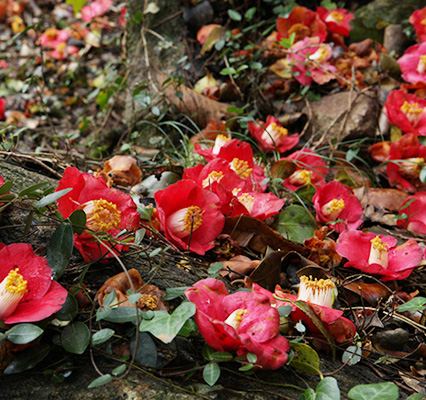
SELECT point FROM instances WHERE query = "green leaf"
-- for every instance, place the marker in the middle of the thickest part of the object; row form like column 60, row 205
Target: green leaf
column 122, row 314
column 214, row 268
column 235, row 15
column 327, row 388
column 110, row 298
column 134, row 298
column 207, row 353
column 102, row 380
column 416, row 396
column 60, row 249
column 251, row 357
column 173, row 293
column 222, row 356
column 119, row 370
column 211, row 373
column 24, row 333
column 305, row 358
column 102, row 336
column 78, row 221
column 246, row 367
column 375, row 391
column 188, row 328
column 51, row 198
column 352, row 355
column 146, row 353
column 284, row 311
column 308, row 394
column 75, row 338
column 415, row 304
column 32, row 189
column 296, row 223
column 69, row 309
column 28, row 358
column 6, row 187
column 164, row 326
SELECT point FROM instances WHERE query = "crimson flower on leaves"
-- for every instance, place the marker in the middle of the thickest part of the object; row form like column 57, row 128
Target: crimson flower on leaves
column 418, row 20
column 414, row 207
column 335, row 201
column 107, row 210
column 337, row 20
column 379, row 254
column 244, row 322
column 27, row 291
column 189, row 216
column 413, row 63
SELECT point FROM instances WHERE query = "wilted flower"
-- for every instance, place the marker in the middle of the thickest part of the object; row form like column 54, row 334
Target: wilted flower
column 414, row 207
column 418, row 20
column 337, row 20
column 244, row 322
column 335, row 201
column 107, row 210
column 379, row 254
column 406, row 111
column 189, row 215
column 95, row 9
column 413, row 63
column 271, row 135
column 27, row 291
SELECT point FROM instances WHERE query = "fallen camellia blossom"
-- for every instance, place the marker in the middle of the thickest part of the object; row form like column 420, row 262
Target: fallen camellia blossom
column 107, row 210
column 417, row 19
column 189, row 216
column 334, row 201
column 151, row 296
column 337, row 20
column 2, row 108
column 413, row 63
column 122, row 170
column 52, row 37
column 414, row 207
column 243, row 322
column 27, row 291
column 95, row 9
column 271, row 136
column 379, row 254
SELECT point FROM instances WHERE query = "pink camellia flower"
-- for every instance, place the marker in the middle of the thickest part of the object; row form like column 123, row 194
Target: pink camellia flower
column 107, row 210
column 406, row 160
column 189, row 215
column 406, row 111
column 337, row 20
column 304, row 23
column 335, row 201
column 379, row 254
column 418, row 20
column 2, row 108
column 243, row 322
column 271, row 135
column 95, row 9
column 311, row 169
column 318, row 295
column 27, row 291
column 52, row 37
column 414, row 207
column 62, row 51
column 413, row 63
column 309, row 61
column 259, row 205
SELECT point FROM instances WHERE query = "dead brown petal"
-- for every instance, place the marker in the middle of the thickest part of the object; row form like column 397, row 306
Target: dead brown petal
column 388, row 199
column 123, row 170
column 238, row 266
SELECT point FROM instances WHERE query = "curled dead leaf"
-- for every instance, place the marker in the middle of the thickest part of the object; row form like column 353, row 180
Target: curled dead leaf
column 238, row 266
column 122, row 170
column 388, row 199
column 372, row 292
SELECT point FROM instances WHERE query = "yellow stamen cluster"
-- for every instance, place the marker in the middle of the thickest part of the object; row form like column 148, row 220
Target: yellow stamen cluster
column 236, row 318
column 320, row 55
column 300, row 30
column 193, row 218
column 60, row 48
column 337, row 205
column 378, row 252
column 102, row 215
column 212, row 177
column 336, row 16
column 316, row 291
column 223, row 138
column 378, row 244
column 15, row 283
column 278, row 130
column 241, row 167
column 247, row 201
column 148, row 301
column 51, row 33
column 411, row 167
column 300, row 177
column 411, row 108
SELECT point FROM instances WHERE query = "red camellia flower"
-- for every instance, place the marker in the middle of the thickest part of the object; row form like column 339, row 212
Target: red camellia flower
column 303, row 23
column 335, row 201
column 414, row 207
column 413, row 63
column 244, row 322
column 189, row 215
column 406, row 111
column 271, row 135
column 27, row 291
column 418, row 20
column 95, row 9
column 107, row 210
column 337, row 20
column 378, row 254
column 311, row 169
column 409, row 157
column 2, row 108
column 52, row 37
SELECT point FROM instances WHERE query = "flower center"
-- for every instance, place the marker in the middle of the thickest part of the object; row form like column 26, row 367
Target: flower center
column 220, row 141
column 411, row 167
column 421, row 66
column 51, row 33
column 300, row 177
column 247, row 201
column 101, row 215
column 300, row 30
column 186, row 220
column 274, row 133
column 236, row 318
column 378, row 252
column 333, row 208
column 241, row 167
column 12, row 289
column 316, row 291
column 320, row 55
column 148, row 301
column 335, row 16
column 214, row 176
column 412, row 111
column 60, row 48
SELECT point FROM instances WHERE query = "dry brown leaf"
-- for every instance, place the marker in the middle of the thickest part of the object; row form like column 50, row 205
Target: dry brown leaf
column 389, row 199
column 372, row 292
column 123, row 170
column 238, row 266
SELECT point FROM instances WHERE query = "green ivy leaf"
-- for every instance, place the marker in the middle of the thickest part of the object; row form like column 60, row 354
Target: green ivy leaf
column 102, row 336
column 75, row 338
column 415, row 304
column 121, row 314
column 146, row 353
column 24, row 333
column 375, row 391
column 352, row 355
column 164, row 326
column 416, row 396
column 60, row 249
column 102, row 380
column 327, row 389
column 305, row 358
column 214, row 268
column 211, row 373
column 51, row 198
column 173, row 293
